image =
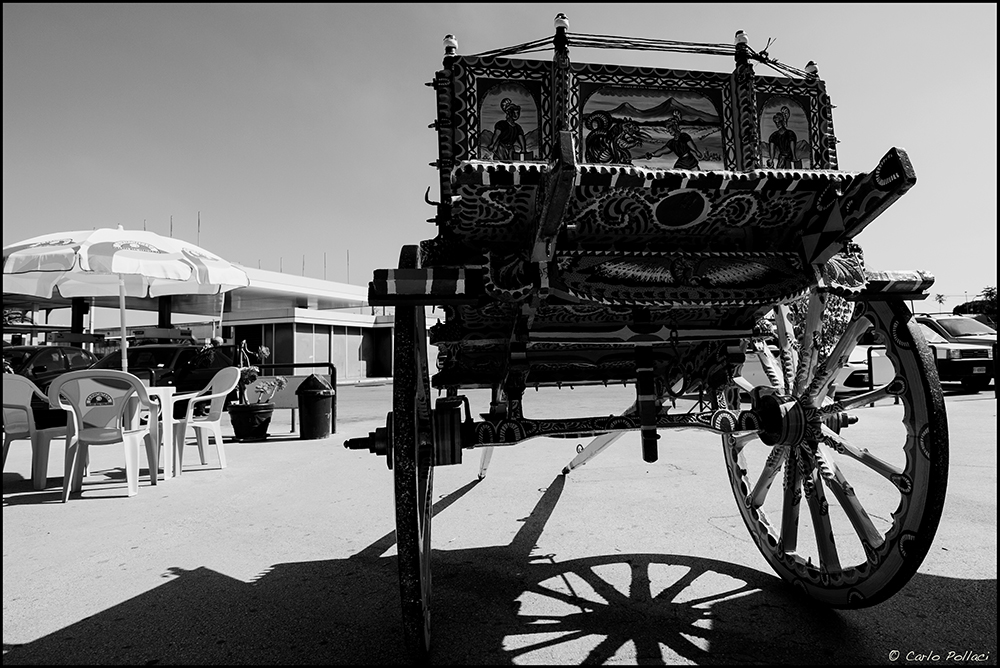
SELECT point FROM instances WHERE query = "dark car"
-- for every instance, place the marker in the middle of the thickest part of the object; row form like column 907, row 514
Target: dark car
column 42, row 364
column 189, row 368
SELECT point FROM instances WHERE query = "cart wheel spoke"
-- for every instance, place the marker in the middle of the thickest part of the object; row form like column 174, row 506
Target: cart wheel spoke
column 846, row 497
column 772, row 368
column 809, row 348
column 874, row 485
column 866, row 398
column 767, row 475
column 791, row 502
column 788, row 352
column 843, row 446
column 837, row 357
column 819, row 509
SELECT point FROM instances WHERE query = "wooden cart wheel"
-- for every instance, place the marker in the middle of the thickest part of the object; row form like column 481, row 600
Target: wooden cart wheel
column 413, row 466
column 873, row 489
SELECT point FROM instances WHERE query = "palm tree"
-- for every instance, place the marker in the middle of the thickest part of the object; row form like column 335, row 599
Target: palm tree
column 986, row 304
column 940, row 299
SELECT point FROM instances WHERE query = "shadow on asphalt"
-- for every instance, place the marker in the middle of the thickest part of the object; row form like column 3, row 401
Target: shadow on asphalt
column 505, row 605
column 18, row 490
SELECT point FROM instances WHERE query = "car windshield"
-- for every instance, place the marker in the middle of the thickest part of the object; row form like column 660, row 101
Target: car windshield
column 966, row 327
column 931, row 335
column 140, row 358
column 16, row 358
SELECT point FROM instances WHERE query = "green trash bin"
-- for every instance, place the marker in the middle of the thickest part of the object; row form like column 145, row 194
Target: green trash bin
column 317, row 401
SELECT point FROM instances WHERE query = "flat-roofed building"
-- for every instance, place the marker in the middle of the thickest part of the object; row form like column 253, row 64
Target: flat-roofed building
column 301, row 320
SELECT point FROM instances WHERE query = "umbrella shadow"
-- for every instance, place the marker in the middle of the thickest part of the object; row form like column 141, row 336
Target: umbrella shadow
column 505, row 605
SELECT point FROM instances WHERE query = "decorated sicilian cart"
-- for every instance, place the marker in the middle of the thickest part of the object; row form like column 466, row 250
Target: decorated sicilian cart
column 663, row 228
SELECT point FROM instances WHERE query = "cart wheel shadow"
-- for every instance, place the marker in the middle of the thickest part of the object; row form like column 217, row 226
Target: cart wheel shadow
column 644, row 607
column 505, row 605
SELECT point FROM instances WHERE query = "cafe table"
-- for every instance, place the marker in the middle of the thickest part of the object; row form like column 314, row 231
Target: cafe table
column 165, row 395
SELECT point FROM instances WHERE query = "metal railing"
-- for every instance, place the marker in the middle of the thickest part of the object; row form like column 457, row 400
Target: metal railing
column 331, row 369
column 286, row 398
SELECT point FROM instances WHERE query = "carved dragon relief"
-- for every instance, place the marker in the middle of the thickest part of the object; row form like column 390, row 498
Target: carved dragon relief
column 660, row 278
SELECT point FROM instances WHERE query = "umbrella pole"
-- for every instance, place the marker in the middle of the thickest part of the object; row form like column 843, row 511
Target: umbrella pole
column 121, row 314
column 222, row 310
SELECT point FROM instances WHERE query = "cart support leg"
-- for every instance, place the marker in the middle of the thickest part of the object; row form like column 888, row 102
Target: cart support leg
column 485, row 461
column 645, row 386
column 595, row 448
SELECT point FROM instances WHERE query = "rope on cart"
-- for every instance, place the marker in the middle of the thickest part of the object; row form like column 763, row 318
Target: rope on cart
column 645, row 44
column 584, row 40
column 527, row 47
column 780, row 67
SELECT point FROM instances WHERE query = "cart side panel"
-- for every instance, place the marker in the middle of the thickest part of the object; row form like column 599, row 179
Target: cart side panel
column 499, row 109
column 807, row 113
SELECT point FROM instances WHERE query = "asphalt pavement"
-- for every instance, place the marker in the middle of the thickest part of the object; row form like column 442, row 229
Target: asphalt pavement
column 287, row 556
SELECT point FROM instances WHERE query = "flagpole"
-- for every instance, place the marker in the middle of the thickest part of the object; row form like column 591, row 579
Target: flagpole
column 121, row 312
column 90, row 323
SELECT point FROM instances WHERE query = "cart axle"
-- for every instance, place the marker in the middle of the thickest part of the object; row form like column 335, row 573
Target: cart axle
column 779, row 420
column 378, row 442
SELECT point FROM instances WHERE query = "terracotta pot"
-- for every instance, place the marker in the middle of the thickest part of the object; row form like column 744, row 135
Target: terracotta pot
column 250, row 421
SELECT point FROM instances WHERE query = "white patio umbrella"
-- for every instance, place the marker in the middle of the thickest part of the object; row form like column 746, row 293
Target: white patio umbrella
column 107, row 262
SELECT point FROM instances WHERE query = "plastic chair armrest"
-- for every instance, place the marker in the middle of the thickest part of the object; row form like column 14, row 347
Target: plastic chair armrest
column 29, row 417
column 201, row 399
column 17, row 407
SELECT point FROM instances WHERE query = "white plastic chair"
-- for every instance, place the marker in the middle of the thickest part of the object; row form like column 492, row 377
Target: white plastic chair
column 214, row 394
column 19, row 423
column 104, row 405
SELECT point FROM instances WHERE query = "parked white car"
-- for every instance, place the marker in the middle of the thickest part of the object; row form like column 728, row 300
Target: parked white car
column 867, row 367
column 959, row 328
column 968, row 363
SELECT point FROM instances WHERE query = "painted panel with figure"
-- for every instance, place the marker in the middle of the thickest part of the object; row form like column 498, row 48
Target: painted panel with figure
column 654, row 128
column 494, row 109
column 508, row 118
column 784, row 134
column 795, row 119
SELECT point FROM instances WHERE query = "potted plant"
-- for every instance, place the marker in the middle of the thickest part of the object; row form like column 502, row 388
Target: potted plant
column 252, row 418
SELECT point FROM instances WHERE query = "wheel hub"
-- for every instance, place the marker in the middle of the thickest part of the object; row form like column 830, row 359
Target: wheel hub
column 378, row 442
column 784, row 420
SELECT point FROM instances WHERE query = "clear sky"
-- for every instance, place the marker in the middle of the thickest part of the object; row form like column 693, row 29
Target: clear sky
column 299, row 132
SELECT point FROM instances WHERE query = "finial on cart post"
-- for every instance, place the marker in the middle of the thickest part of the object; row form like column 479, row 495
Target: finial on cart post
column 812, row 71
column 742, row 48
column 562, row 25
column 450, row 45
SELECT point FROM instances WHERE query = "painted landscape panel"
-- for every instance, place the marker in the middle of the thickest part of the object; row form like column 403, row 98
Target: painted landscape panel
column 654, row 128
